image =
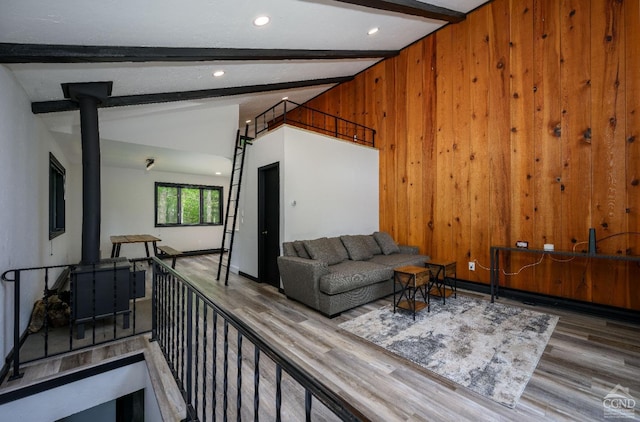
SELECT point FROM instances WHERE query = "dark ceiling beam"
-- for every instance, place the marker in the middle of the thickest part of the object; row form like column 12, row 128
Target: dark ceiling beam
column 57, row 53
column 39, row 107
column 411, row 7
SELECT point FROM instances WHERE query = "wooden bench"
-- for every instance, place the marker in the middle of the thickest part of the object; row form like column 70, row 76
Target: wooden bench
column 169, row 252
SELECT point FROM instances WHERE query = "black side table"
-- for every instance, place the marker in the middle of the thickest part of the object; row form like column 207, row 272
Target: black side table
column 443, row 273
column 411, row 279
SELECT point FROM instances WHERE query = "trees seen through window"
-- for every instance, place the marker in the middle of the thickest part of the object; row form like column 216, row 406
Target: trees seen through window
column 188, row 205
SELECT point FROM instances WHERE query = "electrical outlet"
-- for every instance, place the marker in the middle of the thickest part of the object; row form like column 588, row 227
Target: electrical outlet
column 472, row 266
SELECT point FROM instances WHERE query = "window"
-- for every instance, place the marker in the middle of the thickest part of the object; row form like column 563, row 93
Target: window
column 188, row 205
column 56, row 198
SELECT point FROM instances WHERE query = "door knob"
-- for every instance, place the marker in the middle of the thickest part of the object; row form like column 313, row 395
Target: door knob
column 264, row 232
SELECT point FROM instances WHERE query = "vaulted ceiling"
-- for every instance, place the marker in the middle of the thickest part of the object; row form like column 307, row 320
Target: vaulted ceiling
column 161, row 57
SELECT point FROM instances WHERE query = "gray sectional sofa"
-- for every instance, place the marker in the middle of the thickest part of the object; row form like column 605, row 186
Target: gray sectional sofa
column 334, row 274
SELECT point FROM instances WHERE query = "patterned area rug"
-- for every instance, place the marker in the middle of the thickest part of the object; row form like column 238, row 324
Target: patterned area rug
column 490, row 348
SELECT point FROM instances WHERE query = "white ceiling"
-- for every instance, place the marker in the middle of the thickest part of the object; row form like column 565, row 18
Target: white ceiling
column 131, row 134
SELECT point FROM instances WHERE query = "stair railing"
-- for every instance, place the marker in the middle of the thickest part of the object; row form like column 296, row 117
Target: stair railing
column 217, row 360
column 222, row 366
column 16, row 277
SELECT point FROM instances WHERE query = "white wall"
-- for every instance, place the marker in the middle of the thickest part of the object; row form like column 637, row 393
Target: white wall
column 128, row 208
column 24, row 203
column 127, row 205
column 334, row 185
column 265, row 150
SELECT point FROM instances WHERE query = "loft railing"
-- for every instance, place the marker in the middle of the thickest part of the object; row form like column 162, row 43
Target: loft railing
column 288, row 112
column 227, row 370
column 87, row 304
column 222, row 366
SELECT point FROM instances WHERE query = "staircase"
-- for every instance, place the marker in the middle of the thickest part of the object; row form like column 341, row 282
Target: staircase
column 232, row 204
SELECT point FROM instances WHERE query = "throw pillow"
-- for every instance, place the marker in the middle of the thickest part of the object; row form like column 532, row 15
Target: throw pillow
column 339, row 247
column 371, row 243
column 288, row 249
column 356, row 247
column 322, row 250
column 301, row 252
column 386, row 242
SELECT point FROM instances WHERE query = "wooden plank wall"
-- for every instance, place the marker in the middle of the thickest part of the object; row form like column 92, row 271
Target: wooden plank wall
column 520, row 123
column 632, row 134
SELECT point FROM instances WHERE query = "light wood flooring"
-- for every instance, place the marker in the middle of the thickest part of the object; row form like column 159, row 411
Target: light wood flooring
column 585, row 359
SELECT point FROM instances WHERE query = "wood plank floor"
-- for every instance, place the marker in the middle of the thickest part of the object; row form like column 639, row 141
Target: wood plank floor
column 585, row 359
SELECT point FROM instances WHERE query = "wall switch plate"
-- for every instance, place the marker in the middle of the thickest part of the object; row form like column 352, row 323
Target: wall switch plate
column 472, row 266
column 522, row 244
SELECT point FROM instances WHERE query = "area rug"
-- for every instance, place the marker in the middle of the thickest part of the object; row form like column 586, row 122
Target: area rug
column 490, row 348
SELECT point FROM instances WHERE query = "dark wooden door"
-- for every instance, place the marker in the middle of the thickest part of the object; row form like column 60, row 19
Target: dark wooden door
column 269, row 224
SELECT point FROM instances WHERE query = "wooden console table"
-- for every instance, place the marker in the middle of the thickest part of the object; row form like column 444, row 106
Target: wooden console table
column 117, row 242
column 497, row 250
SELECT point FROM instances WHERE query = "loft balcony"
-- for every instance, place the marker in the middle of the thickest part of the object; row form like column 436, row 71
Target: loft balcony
column 304, row 117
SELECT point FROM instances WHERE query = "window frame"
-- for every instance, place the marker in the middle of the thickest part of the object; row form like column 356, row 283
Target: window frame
column 181, row 186
column 57, row 198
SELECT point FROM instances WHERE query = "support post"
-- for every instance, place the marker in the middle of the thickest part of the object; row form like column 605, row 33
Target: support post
column 16, row 327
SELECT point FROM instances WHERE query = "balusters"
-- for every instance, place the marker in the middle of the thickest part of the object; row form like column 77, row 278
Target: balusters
column 278, row 392
column 225, row 368
column 239, row 377
column 256, row 382
column 46, row 312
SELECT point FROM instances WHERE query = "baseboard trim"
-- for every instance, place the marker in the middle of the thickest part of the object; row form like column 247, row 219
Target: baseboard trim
column 201, row 252
column 250, row 277
column 604, row 311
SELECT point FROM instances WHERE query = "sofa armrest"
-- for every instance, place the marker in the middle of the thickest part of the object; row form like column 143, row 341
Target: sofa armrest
column 301, row 278
column 413, row 250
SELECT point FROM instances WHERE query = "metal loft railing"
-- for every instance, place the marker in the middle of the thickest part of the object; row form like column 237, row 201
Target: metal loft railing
column 227, row 370
column 222, row 366
column 108, row 298
column 288, row 112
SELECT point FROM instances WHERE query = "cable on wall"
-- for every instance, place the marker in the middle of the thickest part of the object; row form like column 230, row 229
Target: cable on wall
column 533, row 264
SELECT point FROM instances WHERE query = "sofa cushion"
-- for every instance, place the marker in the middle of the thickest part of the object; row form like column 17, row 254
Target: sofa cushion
column 339, row 247
column 349, row 275
column 301, row 251
column 386, row 242
column 288, row 249
column 356, row 247
column 400, row 260
column 371, row 243
column 322, row 250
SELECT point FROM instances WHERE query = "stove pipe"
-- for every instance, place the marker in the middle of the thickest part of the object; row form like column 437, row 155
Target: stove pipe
column 89, row 96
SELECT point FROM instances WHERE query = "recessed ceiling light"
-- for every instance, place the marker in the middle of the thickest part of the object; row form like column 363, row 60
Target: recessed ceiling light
column 285, row 98
column 218, row 173
column 218, row 73
column 261, row 20
column 373, row 30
